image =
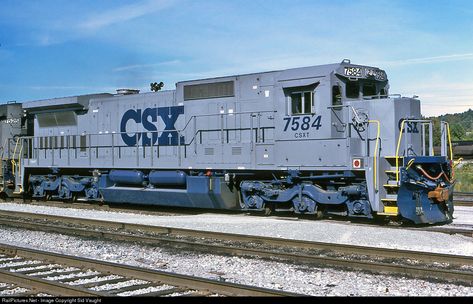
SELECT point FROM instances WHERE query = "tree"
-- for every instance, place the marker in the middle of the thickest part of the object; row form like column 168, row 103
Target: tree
column 457, row 132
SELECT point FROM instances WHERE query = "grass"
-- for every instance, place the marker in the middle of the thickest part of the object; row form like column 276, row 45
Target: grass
column 464, row 176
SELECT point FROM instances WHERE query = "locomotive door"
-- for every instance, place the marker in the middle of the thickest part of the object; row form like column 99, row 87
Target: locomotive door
column 234, row 150
column 211, row 140
column 104, row 155
column 221, row 138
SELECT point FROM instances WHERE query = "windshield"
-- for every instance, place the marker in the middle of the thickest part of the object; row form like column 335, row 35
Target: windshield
column 364, row 88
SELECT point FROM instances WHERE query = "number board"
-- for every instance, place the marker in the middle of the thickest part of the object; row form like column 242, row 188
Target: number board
column 302, row 125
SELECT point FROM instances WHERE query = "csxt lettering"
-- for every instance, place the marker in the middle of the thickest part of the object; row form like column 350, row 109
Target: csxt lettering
column 148, row 118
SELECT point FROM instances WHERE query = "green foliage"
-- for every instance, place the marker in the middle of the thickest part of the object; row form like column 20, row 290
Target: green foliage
column 461, row 126
column 464, row 177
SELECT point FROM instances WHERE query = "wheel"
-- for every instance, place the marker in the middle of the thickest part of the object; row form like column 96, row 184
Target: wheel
column 241, row 202
column 304, row 205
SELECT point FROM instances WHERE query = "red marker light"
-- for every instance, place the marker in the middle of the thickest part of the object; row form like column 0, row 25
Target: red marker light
column 356, row 163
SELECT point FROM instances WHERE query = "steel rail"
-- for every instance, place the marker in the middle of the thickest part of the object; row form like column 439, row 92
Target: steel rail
column 45, row 286
column 463, row 203
column 463, row 199
column 188, row 282
column 171, row 231
column 424, row 272
column 186, row 211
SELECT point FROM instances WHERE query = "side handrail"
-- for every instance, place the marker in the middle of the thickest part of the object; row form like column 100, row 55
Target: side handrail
column 13, row 162
column 179, row 131
column 193, row 117
column 377, row 122
column 3, row 147
column 19, row 159
column 449, row 140
column 1, row 157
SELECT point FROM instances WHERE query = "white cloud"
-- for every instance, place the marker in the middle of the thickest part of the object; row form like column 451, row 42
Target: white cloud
column 122, row 14
column 437, row 110
column 146, row 66
column 64, row 87
column 436, row 59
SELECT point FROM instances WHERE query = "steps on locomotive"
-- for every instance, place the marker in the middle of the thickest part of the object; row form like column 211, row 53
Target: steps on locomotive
column 391, row 186
column 392, row 161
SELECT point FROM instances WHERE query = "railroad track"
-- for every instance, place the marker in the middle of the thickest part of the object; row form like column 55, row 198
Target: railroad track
column 168, row 211
column 463, row 199
column 34, row 272
column 466, row 230
column 377, row 260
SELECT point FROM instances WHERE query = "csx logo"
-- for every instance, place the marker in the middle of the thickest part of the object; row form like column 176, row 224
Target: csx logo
column 410, row 126
column 148, row 117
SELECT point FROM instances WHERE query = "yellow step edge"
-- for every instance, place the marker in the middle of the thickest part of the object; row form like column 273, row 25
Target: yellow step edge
column 391, row 186
column 389, row 211
column 389, row 199
column 393, row 156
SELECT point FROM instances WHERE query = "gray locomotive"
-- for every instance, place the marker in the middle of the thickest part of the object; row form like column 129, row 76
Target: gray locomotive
column 315, row 140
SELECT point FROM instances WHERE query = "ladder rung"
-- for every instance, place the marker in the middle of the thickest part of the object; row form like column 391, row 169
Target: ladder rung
column 394, row 157
column 391, row 171
column 391, row 185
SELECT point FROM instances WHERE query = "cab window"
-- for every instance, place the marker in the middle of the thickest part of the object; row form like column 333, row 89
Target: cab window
column 336, row 96
column 352, row 89
column 302, row 102
column 369, row 89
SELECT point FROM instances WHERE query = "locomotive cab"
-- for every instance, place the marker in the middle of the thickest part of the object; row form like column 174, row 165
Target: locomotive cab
column 396, row 147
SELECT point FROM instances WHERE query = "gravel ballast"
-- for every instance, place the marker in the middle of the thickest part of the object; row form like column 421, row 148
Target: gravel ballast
column 303, row 279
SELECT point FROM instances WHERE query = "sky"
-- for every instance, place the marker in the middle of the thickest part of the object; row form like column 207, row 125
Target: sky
column 56, row 48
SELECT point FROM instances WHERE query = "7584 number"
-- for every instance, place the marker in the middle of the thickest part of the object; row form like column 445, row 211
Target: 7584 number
column 303, row 123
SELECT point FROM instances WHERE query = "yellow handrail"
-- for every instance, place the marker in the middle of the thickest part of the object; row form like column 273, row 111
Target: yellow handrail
column 19, row 159
column 13, row 157
column 449, row 140
column 410, row 163
column 457, row 162
column 397, row 150
column 376, row 152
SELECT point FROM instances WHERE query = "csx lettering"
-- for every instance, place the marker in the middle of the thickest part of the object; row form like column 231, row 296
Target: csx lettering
column 148, row 118
column 303, row 123
column 410, row 126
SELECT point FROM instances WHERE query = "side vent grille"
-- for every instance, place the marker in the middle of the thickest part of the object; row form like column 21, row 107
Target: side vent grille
column 209, row 90
column 209, row 151
column 236, row 150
